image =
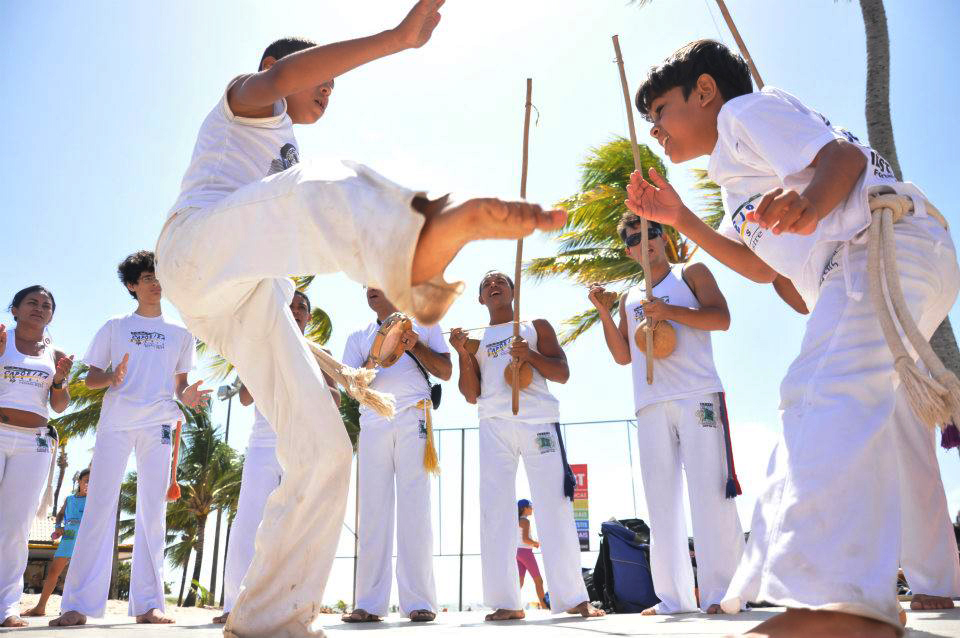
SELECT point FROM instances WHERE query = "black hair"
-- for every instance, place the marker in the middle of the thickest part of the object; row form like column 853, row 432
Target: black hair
column 283, row 47
column 20, row 296
column 687, row 64
column 494, row 272
column 305, row 298
column 131, row 268
column 83, row 473
column 629, row 220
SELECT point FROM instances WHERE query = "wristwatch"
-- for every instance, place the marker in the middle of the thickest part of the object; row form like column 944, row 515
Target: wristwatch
column 58, row 386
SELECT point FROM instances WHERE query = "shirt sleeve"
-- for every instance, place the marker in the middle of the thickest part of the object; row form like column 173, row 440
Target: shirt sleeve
column 435, row 340
column 351, row 352
column 188, row 355
column 727, row 230
column 98, row 353
column 783, row 135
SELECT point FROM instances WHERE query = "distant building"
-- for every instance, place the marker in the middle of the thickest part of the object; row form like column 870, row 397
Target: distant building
column 41, row 553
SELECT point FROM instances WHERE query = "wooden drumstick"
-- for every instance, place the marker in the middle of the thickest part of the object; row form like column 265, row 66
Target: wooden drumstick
column 173, row 491
column 515, row 398
column 644, row 225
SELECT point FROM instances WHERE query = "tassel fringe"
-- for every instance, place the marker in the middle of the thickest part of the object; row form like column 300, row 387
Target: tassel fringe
column 430, row 461
column 949, row 436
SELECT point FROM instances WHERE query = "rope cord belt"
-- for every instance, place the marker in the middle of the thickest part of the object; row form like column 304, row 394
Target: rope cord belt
column 430, row 461
column 356, row 382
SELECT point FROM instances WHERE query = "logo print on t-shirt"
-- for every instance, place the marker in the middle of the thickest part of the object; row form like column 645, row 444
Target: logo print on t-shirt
column 288, row 157
column 708, row 418
column 497, row 348
column 545, row 442
column 25, row 376
column 749, row 232
column 146, row 339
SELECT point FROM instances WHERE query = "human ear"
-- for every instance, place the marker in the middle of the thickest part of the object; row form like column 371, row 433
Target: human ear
column 707, row 90
column 268, row 62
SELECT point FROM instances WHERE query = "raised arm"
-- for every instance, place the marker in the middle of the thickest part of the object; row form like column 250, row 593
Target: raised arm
column 469, row 380
column 59, row 392
column 615, row 336
column 549, row 358
column 316, row 65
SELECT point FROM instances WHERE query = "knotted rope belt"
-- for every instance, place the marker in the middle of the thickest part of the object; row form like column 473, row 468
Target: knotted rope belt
column 430, row 461
column 356, row 381
column 934, row 397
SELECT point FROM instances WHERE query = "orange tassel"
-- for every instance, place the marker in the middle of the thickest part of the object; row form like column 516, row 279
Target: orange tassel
column 173, row 492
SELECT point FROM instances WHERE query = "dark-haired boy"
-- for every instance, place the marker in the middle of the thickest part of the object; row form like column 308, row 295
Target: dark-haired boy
column 247, row 218
column 826, row 531
column 150, row 356
column 681, row 424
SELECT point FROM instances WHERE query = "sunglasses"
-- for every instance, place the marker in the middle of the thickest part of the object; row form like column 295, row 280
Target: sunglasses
column 636, row 238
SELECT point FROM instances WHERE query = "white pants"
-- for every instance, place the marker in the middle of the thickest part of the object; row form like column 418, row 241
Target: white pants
column 502, row 443
column 688, row 434
column 928, row 549
column 826, row 531
column 227, row 270
column 24, row 464
column 392, row 453
column 261, row 476
column 88, row 579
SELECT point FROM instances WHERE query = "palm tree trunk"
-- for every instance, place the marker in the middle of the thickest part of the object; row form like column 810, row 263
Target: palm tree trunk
column 183, row 581
column 191, row 600
column 226, row 550
column 216, row 551
column 880, row 132
column 62, row 464
column 114, row 584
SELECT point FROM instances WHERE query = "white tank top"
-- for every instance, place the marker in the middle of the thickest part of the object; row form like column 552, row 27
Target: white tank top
column 690, row 370
column 520, row 543
column 233, row 151
column 537, row 405
column 26, row 380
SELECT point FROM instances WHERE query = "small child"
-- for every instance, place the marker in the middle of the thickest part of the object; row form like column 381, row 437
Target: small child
column 526, row 561
column 68, row 522
column 825, row 533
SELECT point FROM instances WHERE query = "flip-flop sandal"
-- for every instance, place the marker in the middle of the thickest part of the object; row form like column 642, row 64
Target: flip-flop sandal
column 360, row 615
column 422, row 615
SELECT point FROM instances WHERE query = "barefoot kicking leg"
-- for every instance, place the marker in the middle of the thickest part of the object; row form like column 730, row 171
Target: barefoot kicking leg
column 154, row 617
column 823, row 624
column 587, row 610
column 505, row 614
column 14, row 622
column 923, row 602
column 69, row 619
column 221, row 619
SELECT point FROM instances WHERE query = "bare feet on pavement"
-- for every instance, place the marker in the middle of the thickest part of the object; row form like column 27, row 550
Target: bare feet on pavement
column 445, row 233
column 924, row 602
column 221, row 619
column 803, row 623
column 35, row 611
column 649, row 611
column 68, row 619
column 360, row 615
column 587, row 610
column 715, row 609
column 422, row 615
column 505, row 614
column 14, row 622
column 154, row 617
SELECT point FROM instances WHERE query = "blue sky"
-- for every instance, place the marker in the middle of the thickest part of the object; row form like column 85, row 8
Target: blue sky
column 101, row 103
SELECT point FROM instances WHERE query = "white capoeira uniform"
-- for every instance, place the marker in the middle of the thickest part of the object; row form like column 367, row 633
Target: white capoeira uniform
column 826, row 531
column 928, row 545
column 504, row 439
column 680, row 429
column 261, row 476
column 225, row 256
column 26, row 459
column 391, row 452
column 139, row 415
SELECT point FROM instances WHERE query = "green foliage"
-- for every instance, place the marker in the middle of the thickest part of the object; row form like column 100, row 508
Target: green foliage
column 350, row 413
column 590, row 250
column 85, row 406
column 203, row 595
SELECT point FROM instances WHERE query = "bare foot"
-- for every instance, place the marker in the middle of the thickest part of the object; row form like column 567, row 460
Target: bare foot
column 36, row 611
column 923, row 602
column 221, row 619
column 360, row 615
column 649, row 611
column 14, row 622
column 69, row 619
column 587, row 610
column 714, row 609
column 797, row 623
column 505, row 614
column 444, row 234
column 422, row 615
column 154, row 617
column 903, row 616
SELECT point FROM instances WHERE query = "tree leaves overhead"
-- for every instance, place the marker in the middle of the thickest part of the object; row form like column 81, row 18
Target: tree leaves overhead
column 589, row 248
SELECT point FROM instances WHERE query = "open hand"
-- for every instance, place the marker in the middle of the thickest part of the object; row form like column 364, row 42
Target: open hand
column 657, row 202
column 409, row 339
column 785, row 211
column 656, row 310
column 3, row 339
column 193, row 397
column 120, row 372
column 520, row 349
column 64, row 364
column 57, row 533
column 418, row 26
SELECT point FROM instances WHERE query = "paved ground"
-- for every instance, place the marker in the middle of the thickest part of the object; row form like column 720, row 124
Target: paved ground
column 195, row 623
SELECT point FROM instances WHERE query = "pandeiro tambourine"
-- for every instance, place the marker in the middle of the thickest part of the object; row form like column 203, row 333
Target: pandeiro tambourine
column 388, row 344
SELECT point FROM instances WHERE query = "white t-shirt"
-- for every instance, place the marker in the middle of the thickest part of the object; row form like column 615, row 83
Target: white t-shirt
column 767, row 140
column 233, row 151
column 158, row 349
column 403, row 379
column 689, row 371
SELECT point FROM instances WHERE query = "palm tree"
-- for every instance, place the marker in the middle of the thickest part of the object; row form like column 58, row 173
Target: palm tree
column 590, row 249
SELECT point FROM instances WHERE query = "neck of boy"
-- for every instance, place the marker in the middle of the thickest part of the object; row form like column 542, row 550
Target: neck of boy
column 501, row 315
column 150, row 310
column 658, row 270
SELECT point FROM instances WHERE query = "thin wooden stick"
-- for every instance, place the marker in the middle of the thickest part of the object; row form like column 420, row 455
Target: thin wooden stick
column 644, row 225
column 515, row 398
column 740, row 43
